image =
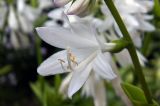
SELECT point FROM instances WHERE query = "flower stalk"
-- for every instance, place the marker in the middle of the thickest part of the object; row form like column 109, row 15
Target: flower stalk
column 131, row 48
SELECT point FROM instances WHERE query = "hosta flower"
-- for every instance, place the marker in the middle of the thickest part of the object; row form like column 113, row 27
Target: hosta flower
column 76, row 7
column 27, row 17
column 83, row 53
column 20, row 23
column 134, row 15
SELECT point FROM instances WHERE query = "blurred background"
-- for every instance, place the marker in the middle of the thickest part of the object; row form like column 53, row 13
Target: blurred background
column 21, row 51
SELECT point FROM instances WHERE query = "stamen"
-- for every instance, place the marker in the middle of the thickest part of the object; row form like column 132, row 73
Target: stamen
column 61, row 62
column 72, row 60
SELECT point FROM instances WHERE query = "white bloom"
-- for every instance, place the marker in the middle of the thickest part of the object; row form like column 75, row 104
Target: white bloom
column 83, row 55
column 26, row 15
column 132, row 12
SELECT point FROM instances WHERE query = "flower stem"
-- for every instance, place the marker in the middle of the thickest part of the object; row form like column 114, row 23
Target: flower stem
column 131, row 48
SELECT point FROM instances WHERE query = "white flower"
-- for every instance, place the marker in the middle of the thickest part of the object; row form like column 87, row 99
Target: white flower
column 84, row 53
column 132, row 12
column 26, row 15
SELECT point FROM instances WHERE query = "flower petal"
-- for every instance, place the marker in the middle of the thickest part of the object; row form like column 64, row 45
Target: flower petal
column 78, row 79
column 81, row 74
column 52, row 65
column 61, row 3
column 62, row 37
column 102, row 67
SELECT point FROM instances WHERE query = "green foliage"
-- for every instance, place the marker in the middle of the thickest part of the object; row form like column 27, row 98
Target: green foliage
column 136, row 95
column 157, row 8
column 49, row 96
column 5, row 69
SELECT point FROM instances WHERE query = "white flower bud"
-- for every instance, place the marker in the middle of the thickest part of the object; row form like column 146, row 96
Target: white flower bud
column 61, row 3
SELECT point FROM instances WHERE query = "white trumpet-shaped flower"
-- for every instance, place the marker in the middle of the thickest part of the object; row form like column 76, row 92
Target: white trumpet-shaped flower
column 84, row 53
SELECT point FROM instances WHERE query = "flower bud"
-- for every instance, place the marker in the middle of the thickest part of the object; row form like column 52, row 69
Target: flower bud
column 61, row 3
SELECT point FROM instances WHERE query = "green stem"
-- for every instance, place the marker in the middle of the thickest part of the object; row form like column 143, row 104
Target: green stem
column 38, row 50
column 146, row 44
column 131, row 48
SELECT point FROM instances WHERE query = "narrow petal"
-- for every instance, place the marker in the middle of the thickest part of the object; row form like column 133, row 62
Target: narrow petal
column 78, row 79
column 65, row 84
column 146, row 26
column 62, row 37
column 100, row 94
column 81, row 74
column 95, row 88
column 12, row 20
column 52, row 65
column 102, row 67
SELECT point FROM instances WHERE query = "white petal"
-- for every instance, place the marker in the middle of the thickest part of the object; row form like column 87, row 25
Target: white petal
column 20, row 5
column 26, row 25
column 45, row 3
column 52, row 65
column 65, row 84
column 142, row 59
column 78, row 79
column 62, row 37
column 100, row 94
column 80, row 74
column 146, row 26
column 102, row 67
column 51, row 23
column 14, row 40
column 12, row 20
column 94, row 87
column 56, row 14
column 123, row 58
column 61, row 3
column 75, row 7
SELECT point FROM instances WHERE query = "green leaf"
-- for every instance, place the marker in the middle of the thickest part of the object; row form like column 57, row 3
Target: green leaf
column 6, row 69
column 37, row 90
column 136, row 95
column 157, row 7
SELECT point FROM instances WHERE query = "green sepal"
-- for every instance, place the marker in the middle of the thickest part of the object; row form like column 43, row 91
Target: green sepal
column 120, row 45
column 136, row 95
